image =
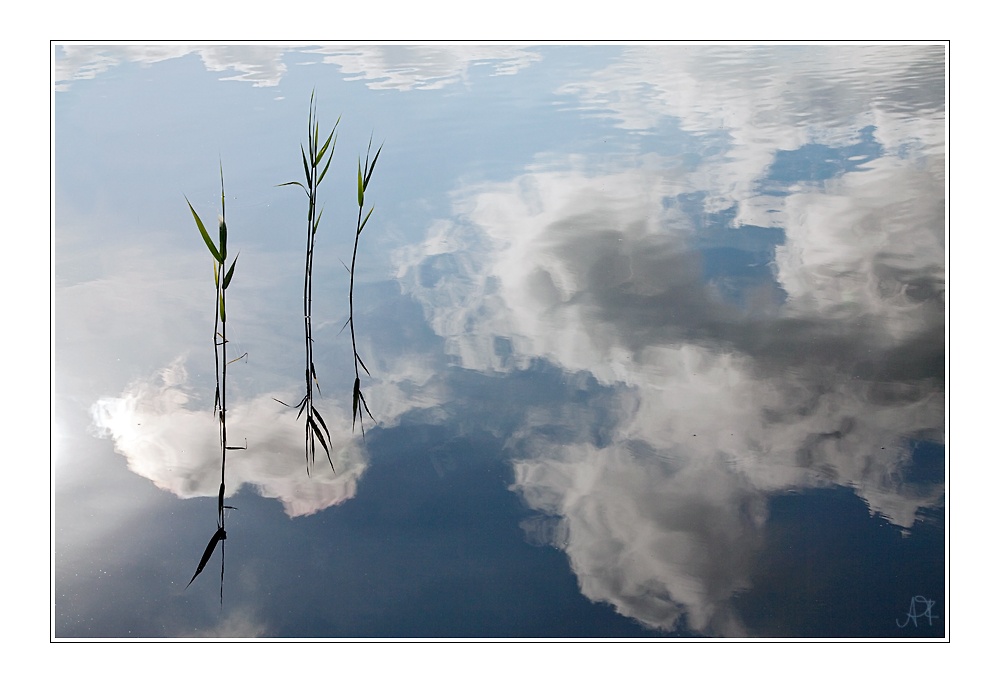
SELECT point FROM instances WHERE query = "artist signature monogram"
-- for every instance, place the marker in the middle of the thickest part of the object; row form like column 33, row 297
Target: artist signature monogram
column 917, row 603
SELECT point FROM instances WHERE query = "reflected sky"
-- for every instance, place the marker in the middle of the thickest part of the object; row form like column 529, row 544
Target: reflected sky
column 656, row 340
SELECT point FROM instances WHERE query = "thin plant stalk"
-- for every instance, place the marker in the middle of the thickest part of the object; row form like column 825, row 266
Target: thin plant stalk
column 220, row 341
column 358, row 400
column 315, row 425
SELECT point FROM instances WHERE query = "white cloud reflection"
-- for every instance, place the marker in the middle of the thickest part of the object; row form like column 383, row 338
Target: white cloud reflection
column 399, row 67
column 757, row 100
column 424, row 67
column 260, row 65
column 177, row 448
column 824, row 377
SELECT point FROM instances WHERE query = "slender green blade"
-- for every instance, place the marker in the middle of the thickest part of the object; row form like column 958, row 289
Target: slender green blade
column 372, row 167
column 316, row 222
column 204, row 233
column 222, row 308
column 327, row 168
column 229, row 275
column 362, row 226
column 223, row 239
column 319, row 156
column 361, row 186
column 305, row 164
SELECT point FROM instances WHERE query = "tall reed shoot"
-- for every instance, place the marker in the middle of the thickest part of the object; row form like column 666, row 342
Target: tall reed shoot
column 219, row 255
column 315, row 425
column 359, row 398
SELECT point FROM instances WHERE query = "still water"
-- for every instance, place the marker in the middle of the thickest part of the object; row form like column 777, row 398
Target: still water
column 656, row 341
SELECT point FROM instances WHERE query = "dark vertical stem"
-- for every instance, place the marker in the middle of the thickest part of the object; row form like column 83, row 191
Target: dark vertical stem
column 220, row 285
column 307, row 292
column 354, row 258
column 307, row 310
column 314, row 421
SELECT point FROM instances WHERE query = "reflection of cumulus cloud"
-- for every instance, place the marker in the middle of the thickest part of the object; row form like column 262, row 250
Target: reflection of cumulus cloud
column 822, row 376
column 177, row 448
column 654, row 537
column 424, row 67
column 664, row 519
column 872, row 245
column 258, row 64
column 598, row 277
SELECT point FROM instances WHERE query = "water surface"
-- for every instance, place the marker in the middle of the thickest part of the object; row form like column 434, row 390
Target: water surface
column 655, row 333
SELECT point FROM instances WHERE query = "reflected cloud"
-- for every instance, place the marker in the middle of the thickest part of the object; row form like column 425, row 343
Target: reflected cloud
column 177, row 448
column 239, row 623
column 748, row 360
column 654, row 537
column 747, row 103
column 260, row 65
column 424, row 67
column 710, row 86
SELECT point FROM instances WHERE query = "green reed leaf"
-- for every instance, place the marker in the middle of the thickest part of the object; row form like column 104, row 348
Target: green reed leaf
column 361, row 186
column 372, row 168
column 362, row 226
column 223, row 239
column 316, row 222
column 305, row 164
column 204, row 232
column 229, row 275
column 319, row 157
column 294, row 182
column 327, row 167
column 222, row 308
